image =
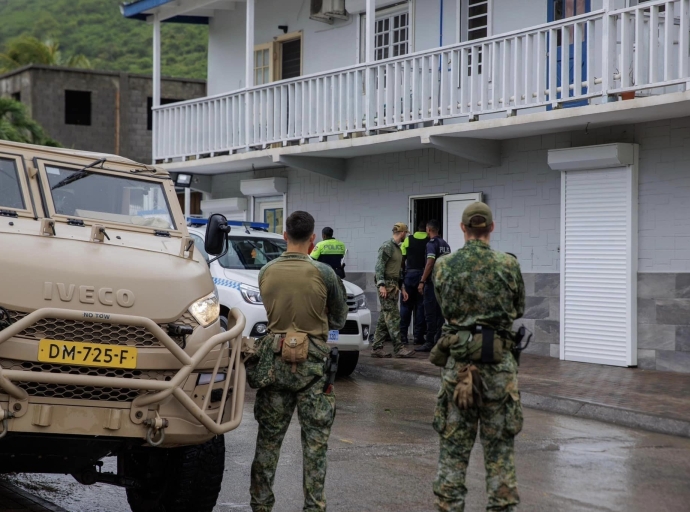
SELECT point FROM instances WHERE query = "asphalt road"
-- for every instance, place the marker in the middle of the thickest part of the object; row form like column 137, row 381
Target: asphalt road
column 383, row 455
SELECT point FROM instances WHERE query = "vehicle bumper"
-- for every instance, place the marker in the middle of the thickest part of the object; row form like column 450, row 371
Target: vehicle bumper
column 354, row 342
column 175, row 410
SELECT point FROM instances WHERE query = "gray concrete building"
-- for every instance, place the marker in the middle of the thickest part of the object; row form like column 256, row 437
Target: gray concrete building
column 93, row 110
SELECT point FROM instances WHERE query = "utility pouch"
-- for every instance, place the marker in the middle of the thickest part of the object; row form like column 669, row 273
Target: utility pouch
column 486, row 347
column 295, row 348
column 260, row 370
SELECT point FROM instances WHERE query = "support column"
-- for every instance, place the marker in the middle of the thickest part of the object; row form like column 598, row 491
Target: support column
column 156, row 60
column 458, row 21
column 369, row 60
column 187, row 203
column 249, row 71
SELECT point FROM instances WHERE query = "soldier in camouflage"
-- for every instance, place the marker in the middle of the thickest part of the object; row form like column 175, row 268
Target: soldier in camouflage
column 388, row 267
column 305, row 296
column 478, row 286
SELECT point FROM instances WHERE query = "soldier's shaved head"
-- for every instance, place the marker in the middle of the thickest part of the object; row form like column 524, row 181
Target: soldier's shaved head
column 299, row 227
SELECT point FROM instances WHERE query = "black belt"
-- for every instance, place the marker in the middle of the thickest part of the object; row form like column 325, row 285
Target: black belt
column 488, row 335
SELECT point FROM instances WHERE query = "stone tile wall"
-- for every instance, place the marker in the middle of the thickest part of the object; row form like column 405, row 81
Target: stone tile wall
column 542, row 313
column 663, row 321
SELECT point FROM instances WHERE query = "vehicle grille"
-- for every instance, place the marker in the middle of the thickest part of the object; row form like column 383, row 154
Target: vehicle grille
column 351, row 327
column 351, row 303
column 83, row 392
column 93, row 332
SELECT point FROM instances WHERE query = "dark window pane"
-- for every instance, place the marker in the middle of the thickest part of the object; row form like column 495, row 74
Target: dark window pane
column 10, row 191
column 477, row 23
column 78, row 107
column 478, row 10
column 477, row 34
column 291, row 59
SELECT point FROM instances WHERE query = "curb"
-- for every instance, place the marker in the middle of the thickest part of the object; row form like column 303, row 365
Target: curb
column 556, row 404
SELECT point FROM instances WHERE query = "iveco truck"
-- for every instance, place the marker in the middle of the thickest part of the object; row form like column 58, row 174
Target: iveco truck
column 110, row 337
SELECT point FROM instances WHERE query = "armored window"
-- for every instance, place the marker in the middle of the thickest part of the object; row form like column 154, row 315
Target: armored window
column 78, row 107
column 10, row 186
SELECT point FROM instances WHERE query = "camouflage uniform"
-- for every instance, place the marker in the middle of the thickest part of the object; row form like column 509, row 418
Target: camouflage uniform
column 303, row 295
column 477, row 285
column 388, row 265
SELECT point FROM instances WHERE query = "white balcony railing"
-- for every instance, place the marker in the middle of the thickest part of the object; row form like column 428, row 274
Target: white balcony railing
column 602, row 53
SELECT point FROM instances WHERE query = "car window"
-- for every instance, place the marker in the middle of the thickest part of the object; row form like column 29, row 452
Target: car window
column 10, row 189
column 251, row 253
column 92, row 195
column 199, row 243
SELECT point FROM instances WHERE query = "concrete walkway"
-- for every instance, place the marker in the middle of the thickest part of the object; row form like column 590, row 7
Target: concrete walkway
column 14, row 499
column 646, row 399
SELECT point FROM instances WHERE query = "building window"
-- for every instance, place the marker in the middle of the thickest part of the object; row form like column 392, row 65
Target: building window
column 17, row 96
column 392, row 36
column 149, row 112
column 477, row 19
column 78, row 107
column 263, row 64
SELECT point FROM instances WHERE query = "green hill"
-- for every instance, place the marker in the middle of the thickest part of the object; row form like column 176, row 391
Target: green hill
column 96, row 29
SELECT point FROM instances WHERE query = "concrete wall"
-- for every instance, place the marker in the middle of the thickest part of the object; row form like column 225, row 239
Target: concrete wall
column 43, row 92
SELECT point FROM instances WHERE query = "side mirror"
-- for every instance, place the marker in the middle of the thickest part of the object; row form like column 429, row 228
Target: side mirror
column 217, row 230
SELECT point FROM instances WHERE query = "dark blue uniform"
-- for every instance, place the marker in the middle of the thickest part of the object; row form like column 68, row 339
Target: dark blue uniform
column 414, row 250
column 436, row 248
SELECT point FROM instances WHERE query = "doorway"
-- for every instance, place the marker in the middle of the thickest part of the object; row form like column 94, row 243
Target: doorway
column 424, row 209
column 194, row 203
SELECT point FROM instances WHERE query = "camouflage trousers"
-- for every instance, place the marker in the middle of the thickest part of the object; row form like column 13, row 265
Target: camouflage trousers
column 273, row 410
column 388, row 325
column 499, row 420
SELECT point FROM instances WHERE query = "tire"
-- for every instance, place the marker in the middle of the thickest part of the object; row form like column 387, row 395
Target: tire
column 187, row 478
column 224, row 323
column 347, row 363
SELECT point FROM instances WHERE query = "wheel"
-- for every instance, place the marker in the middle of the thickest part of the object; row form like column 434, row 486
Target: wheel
column 224, row 323
column 347, row 363
column 176, row 479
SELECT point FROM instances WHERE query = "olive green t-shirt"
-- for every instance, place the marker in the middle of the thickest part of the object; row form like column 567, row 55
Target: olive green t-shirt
column 303, row 295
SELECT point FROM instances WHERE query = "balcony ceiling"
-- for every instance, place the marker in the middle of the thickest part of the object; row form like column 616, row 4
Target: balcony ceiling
column 586, row 118
column 185, row 11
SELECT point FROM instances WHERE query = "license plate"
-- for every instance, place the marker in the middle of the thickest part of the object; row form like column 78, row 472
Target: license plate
column 86, row 354
column 333, row 335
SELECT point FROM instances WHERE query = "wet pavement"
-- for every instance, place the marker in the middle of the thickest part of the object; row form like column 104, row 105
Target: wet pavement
column 14, row 499
column 383, row 455
column 632, row 397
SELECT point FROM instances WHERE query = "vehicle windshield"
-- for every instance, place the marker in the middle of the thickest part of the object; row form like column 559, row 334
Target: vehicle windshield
column 251, row 253
column 10, row 188
column 92, row 195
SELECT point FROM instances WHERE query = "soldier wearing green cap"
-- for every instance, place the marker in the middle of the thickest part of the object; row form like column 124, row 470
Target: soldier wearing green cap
column 481, row 294
column 388, row 265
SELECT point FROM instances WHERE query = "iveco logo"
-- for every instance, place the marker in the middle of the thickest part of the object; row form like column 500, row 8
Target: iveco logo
column 88, row 294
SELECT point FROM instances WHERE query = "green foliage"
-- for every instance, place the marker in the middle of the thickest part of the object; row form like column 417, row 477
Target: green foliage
column 97, row 30
column 26, row 49
column 17, row 126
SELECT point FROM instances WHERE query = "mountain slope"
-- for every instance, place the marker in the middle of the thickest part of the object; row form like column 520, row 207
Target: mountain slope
column 96, row 29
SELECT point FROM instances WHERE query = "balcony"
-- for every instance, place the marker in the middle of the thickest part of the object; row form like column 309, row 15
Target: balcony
column 642, row 50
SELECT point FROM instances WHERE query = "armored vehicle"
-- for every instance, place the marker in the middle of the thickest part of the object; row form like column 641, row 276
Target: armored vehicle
column 110, row 338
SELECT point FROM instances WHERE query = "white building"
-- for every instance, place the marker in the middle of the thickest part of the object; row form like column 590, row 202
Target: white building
column 369, row 112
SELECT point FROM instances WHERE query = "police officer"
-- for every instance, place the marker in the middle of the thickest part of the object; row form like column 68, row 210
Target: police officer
column 331, row 252
column 414, row 258
column 301, row 296
column 388, row 265
column 435, row 249
column 481, row 294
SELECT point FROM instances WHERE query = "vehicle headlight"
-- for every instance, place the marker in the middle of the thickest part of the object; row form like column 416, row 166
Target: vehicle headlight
column 206, row 310
column 251, row 294
column 361, row 301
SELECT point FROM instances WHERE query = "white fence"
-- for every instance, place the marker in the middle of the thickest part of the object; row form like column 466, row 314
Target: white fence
column 598, row 54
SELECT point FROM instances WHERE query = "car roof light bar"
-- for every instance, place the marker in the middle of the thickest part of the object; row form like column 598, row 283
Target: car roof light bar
column 196, row 221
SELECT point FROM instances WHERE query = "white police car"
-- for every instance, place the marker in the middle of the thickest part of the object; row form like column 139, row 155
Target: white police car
column 236, row 276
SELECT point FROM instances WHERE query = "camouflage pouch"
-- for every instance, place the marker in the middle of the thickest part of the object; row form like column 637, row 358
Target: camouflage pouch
column 260, row 371
column 513, row 414
column 441, row 351
column 295, row 348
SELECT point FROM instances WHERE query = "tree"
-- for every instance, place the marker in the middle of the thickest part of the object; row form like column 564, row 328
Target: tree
column 17, row 126
column 24, row 50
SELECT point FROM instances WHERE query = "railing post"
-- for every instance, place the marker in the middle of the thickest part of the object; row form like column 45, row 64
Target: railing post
column 370, row 78
column 249, row 69
column 609, row 40
column 156, row 85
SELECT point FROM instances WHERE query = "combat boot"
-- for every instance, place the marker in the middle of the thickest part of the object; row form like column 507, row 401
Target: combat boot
column 380, row 353
column 404, row 353
column 425, row 348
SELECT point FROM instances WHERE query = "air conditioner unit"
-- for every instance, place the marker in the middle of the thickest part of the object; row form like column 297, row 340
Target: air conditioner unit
column 328, row 10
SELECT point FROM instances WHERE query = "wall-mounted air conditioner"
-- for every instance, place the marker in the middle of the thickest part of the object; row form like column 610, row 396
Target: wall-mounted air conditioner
column 328, row 10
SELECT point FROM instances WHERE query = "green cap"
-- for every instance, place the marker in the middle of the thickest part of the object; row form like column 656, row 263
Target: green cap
column 477, row 209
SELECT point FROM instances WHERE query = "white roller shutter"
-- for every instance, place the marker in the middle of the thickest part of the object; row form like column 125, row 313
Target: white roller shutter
column 599, row 265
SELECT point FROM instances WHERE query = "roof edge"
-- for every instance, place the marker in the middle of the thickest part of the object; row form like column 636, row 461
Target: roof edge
column 102, row 72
